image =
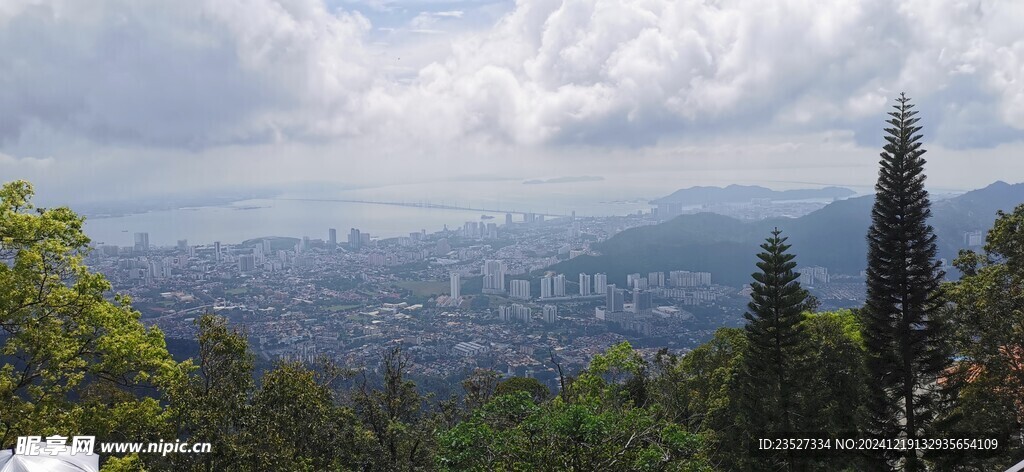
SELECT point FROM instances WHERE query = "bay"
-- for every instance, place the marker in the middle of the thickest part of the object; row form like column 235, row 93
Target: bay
column 298, row 214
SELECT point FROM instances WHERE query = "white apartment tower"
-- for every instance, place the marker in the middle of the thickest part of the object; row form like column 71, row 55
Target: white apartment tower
column 494, row 277
column 585, row 287
column 456, row 281
column 547, row 286
column 520, row 289
column 600, row 284
column 550, row 314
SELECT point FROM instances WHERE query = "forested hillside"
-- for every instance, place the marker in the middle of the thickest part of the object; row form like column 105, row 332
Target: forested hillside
column 832, row 237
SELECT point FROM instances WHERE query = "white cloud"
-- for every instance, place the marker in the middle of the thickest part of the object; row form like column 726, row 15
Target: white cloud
column 200, row 73
column 640, row 71
column 450, row 14
column 301, row 81
column 189, row 73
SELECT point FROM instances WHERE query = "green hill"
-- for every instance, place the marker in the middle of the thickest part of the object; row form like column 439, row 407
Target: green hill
column 833, row 237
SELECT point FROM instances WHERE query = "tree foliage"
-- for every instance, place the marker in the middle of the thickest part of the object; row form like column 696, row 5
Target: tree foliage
column 212, row 403
column 536, row 390
column 903, row 332
column 71, row 360
column 601, row 425
column 701, row 391
column 395, row 416
column 988, row 316
column 297, row 424
column 775, row 337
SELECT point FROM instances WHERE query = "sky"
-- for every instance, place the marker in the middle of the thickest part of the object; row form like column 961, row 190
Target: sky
column 122, row 99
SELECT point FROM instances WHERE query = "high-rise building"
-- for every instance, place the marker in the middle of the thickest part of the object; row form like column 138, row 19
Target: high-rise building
column 508, row 219
column 159, row 270
column 600, row 284
column 642, row 302
column 685, row 278
column 547, row 284
column 332, row 238
column 811, row 276
column 574, row 230
column 494, row 277
column 974, row 238
column 619, row 304
column 550, row 314
column 615, row 299
column 182, row 244
column 514, row 312
column 520, row 289
column 266, row 246
column 559, row 290
column 656, row 279
column 216, row 251
column 456, row 287
column 246, row 262
column 354, row 238
column 585, row 287
column 631, row 280
column 442, row 247
column 141, row 242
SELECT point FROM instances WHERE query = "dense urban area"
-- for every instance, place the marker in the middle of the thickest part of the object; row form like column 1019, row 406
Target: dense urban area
column 479, row 296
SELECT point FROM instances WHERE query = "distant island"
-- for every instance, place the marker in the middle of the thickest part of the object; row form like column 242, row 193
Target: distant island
column 276, row 242
column 565, row 180
column 746, row 193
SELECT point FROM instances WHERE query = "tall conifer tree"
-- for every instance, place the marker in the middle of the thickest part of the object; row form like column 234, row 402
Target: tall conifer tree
column 775, row 338
column 903, row 337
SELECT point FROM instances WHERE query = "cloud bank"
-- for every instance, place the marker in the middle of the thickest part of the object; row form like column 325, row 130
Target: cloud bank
column 197, row 77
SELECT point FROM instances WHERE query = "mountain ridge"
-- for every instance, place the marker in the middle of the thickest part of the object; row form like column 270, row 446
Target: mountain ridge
column 699, row 195
column 833, row 237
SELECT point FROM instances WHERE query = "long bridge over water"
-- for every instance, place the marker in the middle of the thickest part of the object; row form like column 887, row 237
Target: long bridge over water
column 437, row 206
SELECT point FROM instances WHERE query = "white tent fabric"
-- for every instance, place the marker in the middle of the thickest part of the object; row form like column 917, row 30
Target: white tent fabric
column 11, row 462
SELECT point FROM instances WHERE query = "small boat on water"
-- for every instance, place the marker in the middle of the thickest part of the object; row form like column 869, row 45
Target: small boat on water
column 486, row 217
